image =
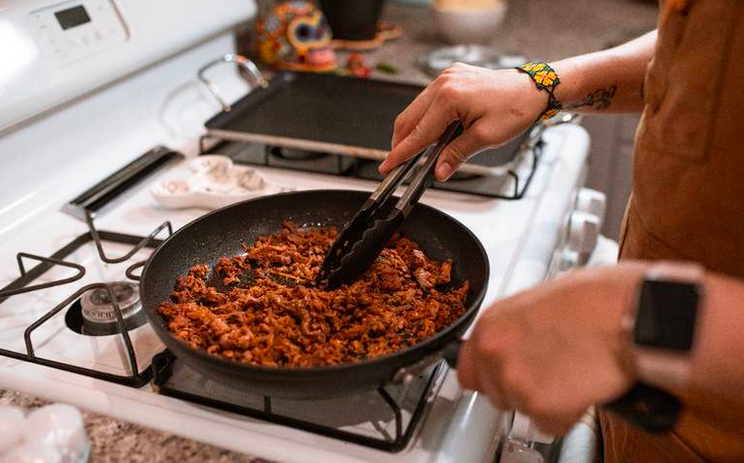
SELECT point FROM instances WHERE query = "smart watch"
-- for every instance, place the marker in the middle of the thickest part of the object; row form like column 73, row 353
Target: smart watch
column 662, row 327
column 664, row 321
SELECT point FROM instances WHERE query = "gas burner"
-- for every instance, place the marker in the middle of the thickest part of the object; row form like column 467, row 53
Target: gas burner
column 98, row 311
column 93, row 314
column 289, row 154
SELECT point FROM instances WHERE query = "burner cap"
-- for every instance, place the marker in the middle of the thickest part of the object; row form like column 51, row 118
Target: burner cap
column 98, row 312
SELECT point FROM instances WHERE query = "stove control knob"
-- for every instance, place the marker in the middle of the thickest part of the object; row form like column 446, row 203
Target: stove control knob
column 583, row 234
column 518, row 452
column 592, row 202
column 524, row 430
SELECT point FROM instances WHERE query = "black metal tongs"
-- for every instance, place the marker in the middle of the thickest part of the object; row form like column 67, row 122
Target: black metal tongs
column 364, row 236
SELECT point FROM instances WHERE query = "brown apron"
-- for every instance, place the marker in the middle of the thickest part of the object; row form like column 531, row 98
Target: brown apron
column 688, row 199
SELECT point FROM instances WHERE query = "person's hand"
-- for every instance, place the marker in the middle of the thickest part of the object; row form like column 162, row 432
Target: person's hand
column 493, row 106
column 553, row 351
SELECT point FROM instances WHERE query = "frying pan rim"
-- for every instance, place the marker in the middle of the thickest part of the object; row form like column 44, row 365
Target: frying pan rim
column 301, row 371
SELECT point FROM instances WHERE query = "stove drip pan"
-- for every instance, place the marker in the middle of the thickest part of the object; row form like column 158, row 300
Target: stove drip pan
column 93, row 314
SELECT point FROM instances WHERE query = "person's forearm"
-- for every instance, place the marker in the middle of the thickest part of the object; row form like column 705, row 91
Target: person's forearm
column 494, row 106
column 717, row 366
column 606, row 81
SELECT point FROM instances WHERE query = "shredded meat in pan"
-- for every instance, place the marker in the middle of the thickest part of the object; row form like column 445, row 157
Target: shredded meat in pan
column 263, row 307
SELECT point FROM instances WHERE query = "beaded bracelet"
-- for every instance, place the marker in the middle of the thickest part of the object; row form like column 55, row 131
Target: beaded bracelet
column 545, row 79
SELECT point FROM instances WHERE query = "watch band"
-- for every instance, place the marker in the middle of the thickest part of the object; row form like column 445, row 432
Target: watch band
column 648, row 408
column 684, row 272
column 665, row 369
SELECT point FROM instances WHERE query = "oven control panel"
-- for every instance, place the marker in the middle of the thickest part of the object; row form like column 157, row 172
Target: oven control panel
column 70, row 31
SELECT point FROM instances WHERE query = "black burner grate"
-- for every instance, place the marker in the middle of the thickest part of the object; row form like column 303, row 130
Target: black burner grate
column 176, row 380
column 24, row 284
column 511, row 183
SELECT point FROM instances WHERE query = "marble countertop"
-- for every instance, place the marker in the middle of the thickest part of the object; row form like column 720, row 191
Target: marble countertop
column 537, row 29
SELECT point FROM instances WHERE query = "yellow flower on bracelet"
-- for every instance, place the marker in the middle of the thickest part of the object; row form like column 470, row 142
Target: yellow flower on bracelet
column 546, row 78
column 542, row 74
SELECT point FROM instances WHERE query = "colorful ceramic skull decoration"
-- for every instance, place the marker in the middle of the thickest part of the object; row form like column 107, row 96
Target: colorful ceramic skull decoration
column 296, row 36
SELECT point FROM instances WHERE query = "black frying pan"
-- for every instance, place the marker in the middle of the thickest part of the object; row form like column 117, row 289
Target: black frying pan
column 221, row 233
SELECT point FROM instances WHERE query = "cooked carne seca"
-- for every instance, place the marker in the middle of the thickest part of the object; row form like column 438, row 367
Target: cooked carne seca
column 263, row 307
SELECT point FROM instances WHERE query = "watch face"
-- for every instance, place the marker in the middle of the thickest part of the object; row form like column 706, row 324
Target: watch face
column 666, row 316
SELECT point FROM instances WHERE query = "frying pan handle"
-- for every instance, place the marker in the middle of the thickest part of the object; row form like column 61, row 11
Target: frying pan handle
column 451, row 351
column 448, row 353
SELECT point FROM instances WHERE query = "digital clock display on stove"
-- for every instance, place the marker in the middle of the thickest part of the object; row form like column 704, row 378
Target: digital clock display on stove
column 72, row 17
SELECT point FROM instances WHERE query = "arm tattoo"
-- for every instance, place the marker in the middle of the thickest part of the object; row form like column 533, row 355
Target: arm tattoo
column 598, row 99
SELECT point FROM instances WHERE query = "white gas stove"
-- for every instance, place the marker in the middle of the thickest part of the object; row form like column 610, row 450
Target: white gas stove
column 87, row 87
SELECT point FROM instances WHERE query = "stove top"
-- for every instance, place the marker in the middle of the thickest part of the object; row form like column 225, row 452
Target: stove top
column 415, row 424
column 99, row 330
